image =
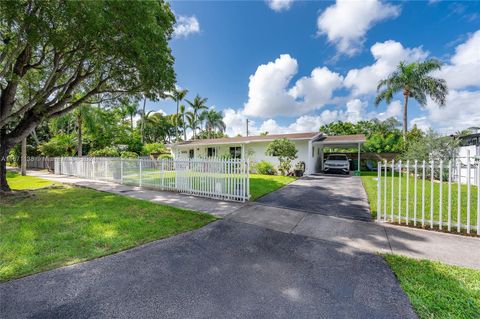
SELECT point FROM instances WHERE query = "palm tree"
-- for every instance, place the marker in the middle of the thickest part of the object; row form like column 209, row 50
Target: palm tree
column 178, row 95
column 197, row 105
column 83, row 117
column 213, row 121
column 184, row 123
column 192, row 122
column 130, row 110
column 414, row 81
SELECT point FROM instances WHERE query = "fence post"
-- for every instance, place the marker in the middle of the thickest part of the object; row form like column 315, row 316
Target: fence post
column 393, row 191
column 415, row 179
column 400, row 192
column 449, row 208
column 385, row 191
column 440, row 213
column 432, row 183
column 459, row 194
column 379, row 188
column 468, row 191
column 423, row 193
column 121, row 170
column 407, row 201
column 140, row 172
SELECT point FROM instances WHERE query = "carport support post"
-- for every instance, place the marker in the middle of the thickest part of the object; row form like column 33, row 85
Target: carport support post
column 309, row 169
column 358, row 168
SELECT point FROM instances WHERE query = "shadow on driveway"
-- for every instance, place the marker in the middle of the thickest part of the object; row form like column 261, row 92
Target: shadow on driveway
column 226, row 269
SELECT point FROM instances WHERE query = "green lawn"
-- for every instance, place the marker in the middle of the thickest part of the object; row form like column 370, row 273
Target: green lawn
column 261, row 185
column 437, row 290
column 370, row 184
column 17, row 181
column 53, row 227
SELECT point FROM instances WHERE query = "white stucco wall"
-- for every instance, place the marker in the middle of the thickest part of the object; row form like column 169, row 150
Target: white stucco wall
column 255, row 151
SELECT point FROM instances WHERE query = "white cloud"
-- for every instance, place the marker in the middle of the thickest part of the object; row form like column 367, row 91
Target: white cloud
column 185, row 26
column 421, row 122
column 279, row 5
column 355, row 110
column 346, row 22
column 394, row 109
column 387, row 56
column 464, row 66
column 269, row 94
column 461, row 111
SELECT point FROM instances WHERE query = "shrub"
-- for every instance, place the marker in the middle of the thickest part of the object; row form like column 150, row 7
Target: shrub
column 109, row 151
column 151, row 148
column 60, row 145
column 128, row 154
column 266, row 168
column 286, row 152
column 165, row 156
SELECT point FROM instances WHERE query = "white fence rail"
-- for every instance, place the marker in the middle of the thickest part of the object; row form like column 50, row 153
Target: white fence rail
column 225, row 179
column 430, row 194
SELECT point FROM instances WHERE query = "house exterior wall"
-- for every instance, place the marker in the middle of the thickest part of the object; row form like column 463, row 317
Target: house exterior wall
column 255, row 151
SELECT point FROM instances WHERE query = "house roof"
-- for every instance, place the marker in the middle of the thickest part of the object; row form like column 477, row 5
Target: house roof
column 316, row 136
column 247, row 139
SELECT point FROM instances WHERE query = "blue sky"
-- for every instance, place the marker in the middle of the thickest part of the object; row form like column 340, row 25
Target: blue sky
column 291, row 66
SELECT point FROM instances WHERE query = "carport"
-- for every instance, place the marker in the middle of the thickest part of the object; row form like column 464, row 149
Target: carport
column 336, row 142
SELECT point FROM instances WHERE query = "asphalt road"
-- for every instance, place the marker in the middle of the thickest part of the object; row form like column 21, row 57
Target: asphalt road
column 224, row 270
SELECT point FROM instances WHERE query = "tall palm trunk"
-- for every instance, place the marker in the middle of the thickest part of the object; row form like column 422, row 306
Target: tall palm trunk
column 406, row 93
column 184, row 128
column 79, row 134
column 143, row 119
column 176, row 124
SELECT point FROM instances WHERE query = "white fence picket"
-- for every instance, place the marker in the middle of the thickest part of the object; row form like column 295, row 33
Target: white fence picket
column 461, row 173
column 226, row 179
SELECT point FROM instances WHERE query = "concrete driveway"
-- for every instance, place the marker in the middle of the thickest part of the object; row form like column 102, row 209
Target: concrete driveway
column 333, row 195
column 224, row 270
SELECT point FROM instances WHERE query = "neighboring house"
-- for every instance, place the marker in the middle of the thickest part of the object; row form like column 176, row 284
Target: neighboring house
column 309, row 146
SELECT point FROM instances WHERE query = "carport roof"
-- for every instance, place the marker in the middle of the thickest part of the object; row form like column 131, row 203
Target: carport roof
column 341, row 139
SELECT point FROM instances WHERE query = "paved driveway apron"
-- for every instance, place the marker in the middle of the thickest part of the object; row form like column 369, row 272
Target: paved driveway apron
column 224, row 270
column 334, row 195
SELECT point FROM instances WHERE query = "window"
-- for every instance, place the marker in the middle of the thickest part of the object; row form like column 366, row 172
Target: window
column 191, row 153
column 236, row 152
column 211, row 152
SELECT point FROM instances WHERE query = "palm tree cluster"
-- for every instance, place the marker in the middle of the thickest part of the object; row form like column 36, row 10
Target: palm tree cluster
column 204, row 122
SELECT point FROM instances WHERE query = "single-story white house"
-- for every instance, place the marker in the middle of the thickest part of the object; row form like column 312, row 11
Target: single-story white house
column 309, row 146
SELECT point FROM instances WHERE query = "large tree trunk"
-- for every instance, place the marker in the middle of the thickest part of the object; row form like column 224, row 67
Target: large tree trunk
column 23, row 160
column 405, row 112
column 79, row 135
column 4, row 150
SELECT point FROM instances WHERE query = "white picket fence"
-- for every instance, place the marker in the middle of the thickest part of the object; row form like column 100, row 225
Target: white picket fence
column 224, row 179
column 433, row 195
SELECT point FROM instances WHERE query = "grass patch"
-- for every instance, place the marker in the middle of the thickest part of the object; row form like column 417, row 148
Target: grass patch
column 370, row 184
column 19, row 182
column 261, row 185
column 60, row 226
column 438, row 290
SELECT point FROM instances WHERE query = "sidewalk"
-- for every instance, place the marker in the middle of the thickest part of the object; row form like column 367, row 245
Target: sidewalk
column 370, row 237
column 215, row 207
column 348, row 234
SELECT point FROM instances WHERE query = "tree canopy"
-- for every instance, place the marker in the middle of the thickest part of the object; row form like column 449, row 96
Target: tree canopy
column 57, row 55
